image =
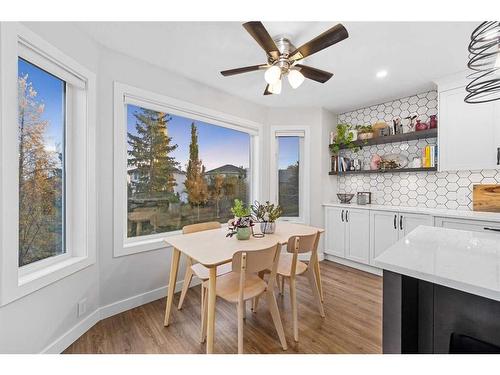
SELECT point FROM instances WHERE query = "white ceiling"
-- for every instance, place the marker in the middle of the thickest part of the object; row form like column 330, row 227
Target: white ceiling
column 413, row 53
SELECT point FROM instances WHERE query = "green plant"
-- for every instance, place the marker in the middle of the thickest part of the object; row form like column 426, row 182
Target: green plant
column 239, row 209
column 364, row 129
column 268, row 212
column 343, row 139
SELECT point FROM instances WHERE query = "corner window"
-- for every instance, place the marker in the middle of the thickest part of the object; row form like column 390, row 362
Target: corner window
column 175, row 164
column 41, row 131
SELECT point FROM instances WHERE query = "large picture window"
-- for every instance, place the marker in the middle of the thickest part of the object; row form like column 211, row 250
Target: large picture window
column 181, row 171
column 41, row 129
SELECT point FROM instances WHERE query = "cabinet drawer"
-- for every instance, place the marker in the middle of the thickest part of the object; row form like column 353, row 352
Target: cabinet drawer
column 465, row 224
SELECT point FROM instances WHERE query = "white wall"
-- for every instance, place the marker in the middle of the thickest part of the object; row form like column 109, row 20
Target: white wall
column 29, row 324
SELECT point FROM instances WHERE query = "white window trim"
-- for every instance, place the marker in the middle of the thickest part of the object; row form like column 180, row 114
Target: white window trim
column 16, row 40
column 125, row 94
column 304, row 168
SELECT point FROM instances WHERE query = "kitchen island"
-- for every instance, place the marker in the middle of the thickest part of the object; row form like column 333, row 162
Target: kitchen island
column 441, row 292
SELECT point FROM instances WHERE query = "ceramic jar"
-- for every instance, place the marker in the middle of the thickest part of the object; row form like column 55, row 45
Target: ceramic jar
column 267, row 227
column 433, row 122
column 243, row 233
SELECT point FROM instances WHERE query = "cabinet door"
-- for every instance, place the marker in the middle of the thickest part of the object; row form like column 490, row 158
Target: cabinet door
column 408, row 222
column 358, row 236
column 464, row 224
column 383, row 231
column 468, row 136
column 335, row 231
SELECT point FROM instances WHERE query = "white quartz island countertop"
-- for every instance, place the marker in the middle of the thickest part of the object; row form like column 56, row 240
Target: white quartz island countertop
column 463, row 260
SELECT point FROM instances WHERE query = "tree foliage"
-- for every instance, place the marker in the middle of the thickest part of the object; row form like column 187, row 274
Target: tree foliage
column 150, row 151
column 40, row 185
column 196, row 185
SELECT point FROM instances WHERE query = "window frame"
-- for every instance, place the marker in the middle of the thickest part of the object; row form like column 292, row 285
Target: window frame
column 79, row 184
column 126, row 94
column 304, row 168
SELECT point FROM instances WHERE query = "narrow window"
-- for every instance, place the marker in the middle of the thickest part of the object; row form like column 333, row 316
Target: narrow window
column 41, row 130
column 289, row 174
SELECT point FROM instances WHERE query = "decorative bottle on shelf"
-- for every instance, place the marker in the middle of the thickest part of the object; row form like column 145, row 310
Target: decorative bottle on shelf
column 433, row 122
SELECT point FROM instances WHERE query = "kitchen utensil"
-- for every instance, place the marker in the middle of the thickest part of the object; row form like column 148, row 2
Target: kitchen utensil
column 345, row 197
column 364, row 197
column 486, row 197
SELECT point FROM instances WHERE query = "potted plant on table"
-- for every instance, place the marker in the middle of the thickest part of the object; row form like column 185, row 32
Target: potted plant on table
column 242, row 222
column 267, row 214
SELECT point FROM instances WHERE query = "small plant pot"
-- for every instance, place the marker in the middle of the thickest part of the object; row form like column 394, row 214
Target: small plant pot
column 243, row 233
column 267, row 228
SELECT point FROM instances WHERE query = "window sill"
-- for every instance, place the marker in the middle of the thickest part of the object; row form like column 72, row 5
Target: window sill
column 75, row 263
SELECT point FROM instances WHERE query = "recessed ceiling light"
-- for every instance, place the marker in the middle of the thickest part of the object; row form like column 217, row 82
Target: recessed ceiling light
column 381, row 73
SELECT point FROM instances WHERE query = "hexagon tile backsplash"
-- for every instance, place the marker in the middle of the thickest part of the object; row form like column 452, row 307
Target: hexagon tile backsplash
column 451, row 190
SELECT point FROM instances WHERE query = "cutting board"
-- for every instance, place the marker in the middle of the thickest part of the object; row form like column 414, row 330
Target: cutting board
column 486, row 198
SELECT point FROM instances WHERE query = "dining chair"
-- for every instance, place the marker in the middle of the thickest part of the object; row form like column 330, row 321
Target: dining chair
column 289, row 267
column 243, row 284
column 196, row 269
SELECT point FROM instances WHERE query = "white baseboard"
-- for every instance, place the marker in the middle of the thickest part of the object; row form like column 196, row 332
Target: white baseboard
column 350, row 263
column 59, row 345
column 64, row 341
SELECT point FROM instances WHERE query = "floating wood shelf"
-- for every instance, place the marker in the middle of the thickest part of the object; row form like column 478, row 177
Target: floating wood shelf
column 396, row 170
column 423, row 134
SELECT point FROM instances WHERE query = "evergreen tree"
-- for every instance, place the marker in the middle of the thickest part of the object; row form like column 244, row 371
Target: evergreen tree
column 196, row 185
column 149, row 153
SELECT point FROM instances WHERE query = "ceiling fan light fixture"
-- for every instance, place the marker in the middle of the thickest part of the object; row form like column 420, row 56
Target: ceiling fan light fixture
column 275, row 88
column 295, row 78
column 272, row 74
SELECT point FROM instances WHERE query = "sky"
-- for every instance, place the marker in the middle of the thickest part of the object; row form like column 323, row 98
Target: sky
column 50, row 91
column 288, row 151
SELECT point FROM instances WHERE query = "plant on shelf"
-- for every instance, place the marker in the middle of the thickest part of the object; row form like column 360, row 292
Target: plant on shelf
column 267, row 214
column 242, row 222
column 364, row 132
column 343, row 139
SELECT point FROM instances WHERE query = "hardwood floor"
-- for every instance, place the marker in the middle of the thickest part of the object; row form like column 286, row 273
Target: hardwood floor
column 353, row 323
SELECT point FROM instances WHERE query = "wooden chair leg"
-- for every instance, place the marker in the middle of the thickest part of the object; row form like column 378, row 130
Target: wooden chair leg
column 204, row 312
column 293, row 301
column 314, row 286
column 244, row 310
column 187, row 281
column 255, row 303
column 282, row 285
column 241, row 309
column 280, row 290
column 318, row 280
column 275, row 314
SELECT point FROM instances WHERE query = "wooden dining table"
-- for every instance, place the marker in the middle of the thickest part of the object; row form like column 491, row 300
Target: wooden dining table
column 212, row 248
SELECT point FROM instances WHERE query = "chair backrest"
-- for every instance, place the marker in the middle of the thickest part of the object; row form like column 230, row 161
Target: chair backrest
column 255, row 260
column 192, row 228
column 304, row 244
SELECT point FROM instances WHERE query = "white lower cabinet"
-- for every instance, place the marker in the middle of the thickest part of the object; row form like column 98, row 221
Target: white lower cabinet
column 347, row 233
column 464, row 224
column 387, row 227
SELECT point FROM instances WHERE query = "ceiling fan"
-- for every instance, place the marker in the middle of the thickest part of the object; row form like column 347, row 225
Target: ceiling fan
column 283, row 59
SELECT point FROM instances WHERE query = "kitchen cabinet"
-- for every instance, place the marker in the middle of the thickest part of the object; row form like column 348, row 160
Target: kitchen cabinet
column 347, row 233
column 468, row 134
column 387, row 227
column 464, row 224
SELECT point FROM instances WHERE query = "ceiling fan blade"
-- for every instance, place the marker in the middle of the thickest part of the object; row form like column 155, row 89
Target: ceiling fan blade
column 317, row 75
column 266, row 91
column 331, row 36
column 257, row 30
column 246, row 69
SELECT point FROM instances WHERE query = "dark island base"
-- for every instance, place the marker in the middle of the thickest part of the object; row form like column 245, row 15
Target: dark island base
column 421, row 317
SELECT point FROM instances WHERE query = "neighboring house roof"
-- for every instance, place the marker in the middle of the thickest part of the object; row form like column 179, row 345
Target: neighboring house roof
column 226, row 169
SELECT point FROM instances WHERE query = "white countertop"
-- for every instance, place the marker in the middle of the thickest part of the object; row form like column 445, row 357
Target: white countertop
column 463, row 214
column 463, row 260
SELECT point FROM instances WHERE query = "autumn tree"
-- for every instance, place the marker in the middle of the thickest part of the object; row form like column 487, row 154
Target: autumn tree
column 217, row 191
column 149, row 152
column 196, row 185
column 40, row 185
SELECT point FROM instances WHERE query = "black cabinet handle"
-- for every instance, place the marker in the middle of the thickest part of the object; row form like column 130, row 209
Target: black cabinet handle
column 498, row 155
column 492, row 229
column 342, row 215
column 395, row 218
column 347, row 216
column 401, row 222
